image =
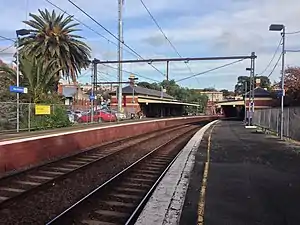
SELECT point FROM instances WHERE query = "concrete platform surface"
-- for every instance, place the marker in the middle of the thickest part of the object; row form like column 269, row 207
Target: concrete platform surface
column 253, row 178
column 165, row 205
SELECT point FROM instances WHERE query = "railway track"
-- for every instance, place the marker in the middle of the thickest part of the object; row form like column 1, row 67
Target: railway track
column 120, row 199
column 26, row 182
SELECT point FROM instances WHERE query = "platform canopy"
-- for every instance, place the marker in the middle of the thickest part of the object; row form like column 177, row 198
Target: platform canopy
column 231, row 103
column 153, row 100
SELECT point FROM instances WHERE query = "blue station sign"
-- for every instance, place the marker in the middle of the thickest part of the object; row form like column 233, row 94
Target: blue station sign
column 17, row 89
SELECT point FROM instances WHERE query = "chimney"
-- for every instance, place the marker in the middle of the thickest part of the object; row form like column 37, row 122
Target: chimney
column 257, row 82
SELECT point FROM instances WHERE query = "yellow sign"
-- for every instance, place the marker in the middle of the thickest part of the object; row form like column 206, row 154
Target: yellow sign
column 42, row 110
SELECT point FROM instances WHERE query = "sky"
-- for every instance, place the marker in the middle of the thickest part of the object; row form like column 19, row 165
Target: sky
column 197, row 28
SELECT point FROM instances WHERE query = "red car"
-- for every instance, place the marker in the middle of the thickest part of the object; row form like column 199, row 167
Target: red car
column 99, row 116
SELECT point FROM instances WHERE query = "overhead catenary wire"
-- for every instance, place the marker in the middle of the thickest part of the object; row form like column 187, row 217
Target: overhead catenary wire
column 136, row 74
column 165, row 36
column 276, row 64
column 4, row 49
column 91, row 29
column 210, row 70
column 294, row 32
column 114, row 36
column 87, row 26
column 7, row 39
column 277, row 48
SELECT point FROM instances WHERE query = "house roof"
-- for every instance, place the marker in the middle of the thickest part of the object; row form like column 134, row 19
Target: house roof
column 144, row 91
column 260, row 92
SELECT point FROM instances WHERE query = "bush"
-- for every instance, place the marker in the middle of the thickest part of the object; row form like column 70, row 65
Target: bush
column 58, row 118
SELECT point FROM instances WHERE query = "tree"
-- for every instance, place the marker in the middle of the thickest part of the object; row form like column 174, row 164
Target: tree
column 226, row 92
column 245, row 80
column 292, row 85
column 52, row 37
column 153, row 86
column 37, row 76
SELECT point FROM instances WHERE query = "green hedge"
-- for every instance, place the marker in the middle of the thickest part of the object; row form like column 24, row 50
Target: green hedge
column 58, row 118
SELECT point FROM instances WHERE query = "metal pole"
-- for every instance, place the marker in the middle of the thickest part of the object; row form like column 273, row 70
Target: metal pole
column 94, row 73
column 120, row 55
column 253, row 86
column 249, row 93
column 245, row 83
column 282, row 82
column 29, row 117
column 167, row 75
column 133, row 97
column 18, row 83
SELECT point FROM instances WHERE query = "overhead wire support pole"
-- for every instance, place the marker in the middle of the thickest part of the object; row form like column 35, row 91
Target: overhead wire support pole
column 120, row 55
column 282, row 82
column 167, row 74
column 94, row 74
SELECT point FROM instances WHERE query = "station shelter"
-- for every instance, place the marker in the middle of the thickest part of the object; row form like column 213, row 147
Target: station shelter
column 236, row 107
column 151, row 103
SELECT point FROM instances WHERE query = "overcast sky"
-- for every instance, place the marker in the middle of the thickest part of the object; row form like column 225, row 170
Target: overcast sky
column 197, row 28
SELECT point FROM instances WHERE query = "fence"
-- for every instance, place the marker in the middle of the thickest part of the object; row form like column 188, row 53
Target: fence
column 270, row 119
column 30, row 121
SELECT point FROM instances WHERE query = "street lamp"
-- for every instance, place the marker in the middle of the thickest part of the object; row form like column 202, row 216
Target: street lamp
column 281, row 27
column 21, row 32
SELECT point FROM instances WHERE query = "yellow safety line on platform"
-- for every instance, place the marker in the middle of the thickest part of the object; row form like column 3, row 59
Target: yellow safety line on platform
column 201, row 204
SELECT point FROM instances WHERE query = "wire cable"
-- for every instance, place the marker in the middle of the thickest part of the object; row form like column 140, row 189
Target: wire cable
column 210, row 70
column 295, row 32
column 88, row 27
column 267, row 67
column 4, row 49
column 7, row 39
column 276, row 64
column 123, row 43
column 297, row 50
column 165, row 36
column 126, row 71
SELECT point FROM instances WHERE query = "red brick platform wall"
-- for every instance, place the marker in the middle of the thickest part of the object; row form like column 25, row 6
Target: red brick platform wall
column 16, row 156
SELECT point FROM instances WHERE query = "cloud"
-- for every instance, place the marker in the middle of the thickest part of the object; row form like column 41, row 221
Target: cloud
column 196, row 28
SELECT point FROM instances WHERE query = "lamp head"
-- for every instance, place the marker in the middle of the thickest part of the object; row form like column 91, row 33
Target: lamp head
column 276, row 27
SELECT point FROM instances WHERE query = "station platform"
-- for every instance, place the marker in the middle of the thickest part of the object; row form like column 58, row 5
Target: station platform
column 229, row 175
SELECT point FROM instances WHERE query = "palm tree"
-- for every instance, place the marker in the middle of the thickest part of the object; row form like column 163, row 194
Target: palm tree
column 38, row 77
column 52, row 37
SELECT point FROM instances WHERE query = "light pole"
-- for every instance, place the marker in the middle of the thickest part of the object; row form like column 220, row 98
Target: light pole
column 250, row 94
column 281, row 27
column 21, row 32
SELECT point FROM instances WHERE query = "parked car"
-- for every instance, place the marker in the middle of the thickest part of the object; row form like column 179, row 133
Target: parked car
column 99, row 116
column 71, row 116
column 119, row 115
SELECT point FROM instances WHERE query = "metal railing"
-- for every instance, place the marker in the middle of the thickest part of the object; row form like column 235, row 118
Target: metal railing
column 270, row 119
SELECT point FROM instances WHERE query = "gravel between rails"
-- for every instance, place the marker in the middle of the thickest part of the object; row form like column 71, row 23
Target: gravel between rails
column 13, row 181
column 45, row 204
column 115, row 202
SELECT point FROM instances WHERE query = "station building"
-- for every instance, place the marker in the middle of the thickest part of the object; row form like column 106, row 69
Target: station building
column 151, row 103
